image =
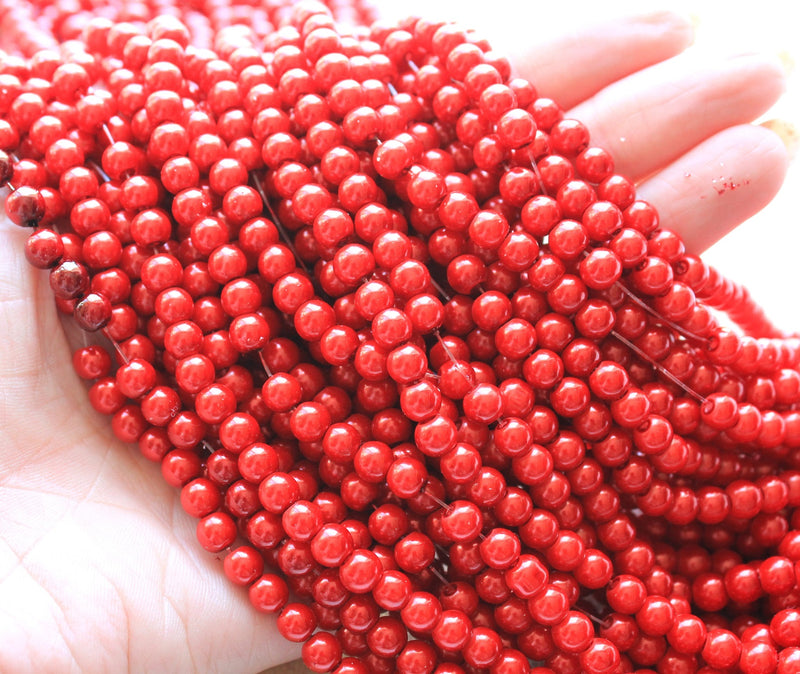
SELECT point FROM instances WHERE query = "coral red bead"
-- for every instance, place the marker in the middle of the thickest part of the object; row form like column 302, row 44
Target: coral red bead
column 462, row 521
column 214, row 403
column 322, row 652
column 574, row 633
column 527, row 577
column 309, row 421
column 549, row 606
column 25, row 206
column 626, row 594
column 601, row 656
column 361, row 571
column 775, row 576
column 500, row 549
column 243, row 565
column 687, row 635
column 483, row 648
column 277, row 492
column 392, row 590
column 302, row 520
column 414, row 553
column 406, row 477
column 387, row 638
column 656, row 616
column 784, row 628
column 452, row 630
column 296, row 622
column 722, row 648
column 421, row 612
column 216, row 531
column 417, row 656
column 757, row 657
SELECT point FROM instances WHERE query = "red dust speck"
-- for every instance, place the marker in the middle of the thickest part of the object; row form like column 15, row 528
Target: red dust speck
column 722, row 185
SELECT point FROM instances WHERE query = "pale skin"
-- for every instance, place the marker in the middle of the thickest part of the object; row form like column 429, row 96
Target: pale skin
column 99, row 566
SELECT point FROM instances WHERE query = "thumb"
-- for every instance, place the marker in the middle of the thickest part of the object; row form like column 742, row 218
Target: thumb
column 35, row 360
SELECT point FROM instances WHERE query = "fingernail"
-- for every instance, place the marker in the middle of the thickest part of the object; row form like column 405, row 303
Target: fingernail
column 681, row 23
column 787, row 62
column 787, row 132
column 694, row 19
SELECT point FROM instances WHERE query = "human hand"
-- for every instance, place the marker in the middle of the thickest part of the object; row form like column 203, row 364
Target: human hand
column 676, row 120
column 100, row 568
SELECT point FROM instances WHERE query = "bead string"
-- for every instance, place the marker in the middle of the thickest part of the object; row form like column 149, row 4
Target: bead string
column 281, row 229
column 657, row 366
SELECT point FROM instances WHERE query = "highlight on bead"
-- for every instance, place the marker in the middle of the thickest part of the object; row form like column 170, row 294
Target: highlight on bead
column 435, row 384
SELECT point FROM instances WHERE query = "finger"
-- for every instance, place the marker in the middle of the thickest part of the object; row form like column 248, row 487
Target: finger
column 27, row 312
column 718, row 185
column 35, row 359
column 651, row 118
column 572, row 67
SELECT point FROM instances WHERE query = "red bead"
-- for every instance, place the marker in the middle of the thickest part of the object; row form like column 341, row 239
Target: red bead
column 414, row 552
column 656, row 616
column 361, row 571
column 757, row 657
column 243, row 565
column 296, row 622
column 574, row 633
column 527, row 577
column 216, row 531
column 387, row 638
column 500, row 549
column 322, row 652
column 277, row 492
column 392, row 590
column 25, row 206
column 602, row 656
column 422, row 611
column 483, row 648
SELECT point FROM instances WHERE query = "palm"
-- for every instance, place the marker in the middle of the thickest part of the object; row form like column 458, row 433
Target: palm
column 99, row 568
column 97, row 557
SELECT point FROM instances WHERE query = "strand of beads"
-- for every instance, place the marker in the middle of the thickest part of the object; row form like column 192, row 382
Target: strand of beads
column 457, row 316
